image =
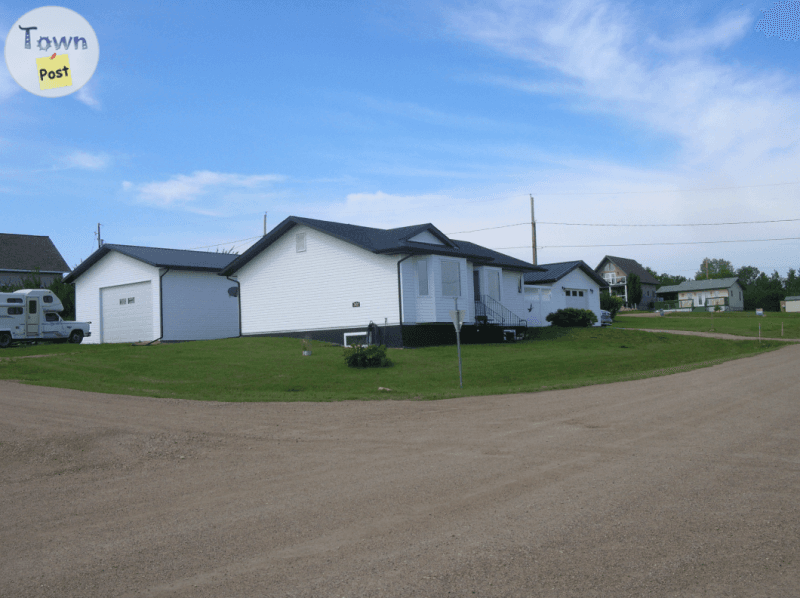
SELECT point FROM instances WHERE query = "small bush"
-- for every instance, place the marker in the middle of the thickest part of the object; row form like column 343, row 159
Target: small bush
column 572, row 318
column 370, row 356
column 611, row 303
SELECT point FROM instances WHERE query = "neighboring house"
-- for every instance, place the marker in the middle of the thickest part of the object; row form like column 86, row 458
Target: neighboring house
column 133, row 294
column 699, row 295
column 339, row 282
column 561, row 285
column 791, row 304
column 22, row 255
column 615, row 271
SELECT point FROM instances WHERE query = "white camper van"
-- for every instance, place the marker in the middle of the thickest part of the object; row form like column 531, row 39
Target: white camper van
column 32, row 315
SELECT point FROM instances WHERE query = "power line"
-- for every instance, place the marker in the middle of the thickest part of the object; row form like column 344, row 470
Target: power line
column 462, row 232
column 226, row 243
column 641, row 244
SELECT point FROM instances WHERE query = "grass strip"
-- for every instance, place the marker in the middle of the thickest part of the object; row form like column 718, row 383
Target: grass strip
column 738, row 323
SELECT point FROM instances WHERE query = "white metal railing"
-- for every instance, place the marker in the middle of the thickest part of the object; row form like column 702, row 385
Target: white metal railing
column 611, row 279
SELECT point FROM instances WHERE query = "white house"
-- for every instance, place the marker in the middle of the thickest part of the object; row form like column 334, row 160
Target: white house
column 562, row 285
column 791, row 304
column 725, row 293
column 133, row 294
column 338, row 282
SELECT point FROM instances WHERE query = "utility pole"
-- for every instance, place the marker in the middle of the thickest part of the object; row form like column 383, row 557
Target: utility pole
column 99, row 240
column 533, row 234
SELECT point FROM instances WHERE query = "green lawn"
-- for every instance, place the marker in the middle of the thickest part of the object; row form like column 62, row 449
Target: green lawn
column 739, row 323
column 273, row 369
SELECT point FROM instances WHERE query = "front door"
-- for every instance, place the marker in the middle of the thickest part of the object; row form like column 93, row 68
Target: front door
column 476, row 284
column 33, row 317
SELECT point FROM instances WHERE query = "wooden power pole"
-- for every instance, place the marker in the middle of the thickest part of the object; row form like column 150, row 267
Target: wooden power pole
column 533, row 234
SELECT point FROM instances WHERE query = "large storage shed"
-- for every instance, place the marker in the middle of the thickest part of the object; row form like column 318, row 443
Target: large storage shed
column 135, row 294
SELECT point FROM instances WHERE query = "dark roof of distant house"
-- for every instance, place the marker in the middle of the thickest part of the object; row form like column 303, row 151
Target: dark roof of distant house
column 699, row 285
column 630, row 267
column 385, row 241
column 555, row 272
column 26, row 253
column 176, row 259
column 795, row 298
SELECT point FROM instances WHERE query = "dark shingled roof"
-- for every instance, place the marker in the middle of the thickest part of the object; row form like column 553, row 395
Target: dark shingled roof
column 386, row 241
column 176, row 259
column 630, row 267
column 29, row 252
column 555, row 272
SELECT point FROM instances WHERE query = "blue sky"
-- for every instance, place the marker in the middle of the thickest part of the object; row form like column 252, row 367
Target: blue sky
column 201, row 117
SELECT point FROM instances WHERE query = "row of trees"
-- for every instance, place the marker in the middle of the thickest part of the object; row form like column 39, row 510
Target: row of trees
column 65, row 292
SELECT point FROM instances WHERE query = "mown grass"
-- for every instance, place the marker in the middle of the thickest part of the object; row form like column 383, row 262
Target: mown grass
column 739, row 323
column 273, row 369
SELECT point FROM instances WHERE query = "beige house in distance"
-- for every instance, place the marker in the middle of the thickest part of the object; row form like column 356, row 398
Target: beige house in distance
column 698, row 295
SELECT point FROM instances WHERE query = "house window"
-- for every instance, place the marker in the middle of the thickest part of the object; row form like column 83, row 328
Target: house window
column 580, row 293
column 422, row 276
column 300, row 240
column 493, row 279
column 123, row 301
column 131, row 300
column 451, row 278
column 609, row 267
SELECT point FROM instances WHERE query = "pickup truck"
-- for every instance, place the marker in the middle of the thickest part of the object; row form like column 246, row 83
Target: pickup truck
column 31, row 315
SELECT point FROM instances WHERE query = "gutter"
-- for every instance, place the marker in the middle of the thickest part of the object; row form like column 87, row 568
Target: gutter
column 400, row 296
column 239, row 299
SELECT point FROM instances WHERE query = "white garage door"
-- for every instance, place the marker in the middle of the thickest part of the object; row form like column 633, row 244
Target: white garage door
column 578, row 298
column 127, row 313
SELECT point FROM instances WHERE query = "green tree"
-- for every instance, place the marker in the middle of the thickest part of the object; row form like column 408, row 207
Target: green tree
column 716, row 268
column 665, row 279
column 792, row 283
column 747, row 275
column 611, row 303
column 634, row 289
column 766, row 292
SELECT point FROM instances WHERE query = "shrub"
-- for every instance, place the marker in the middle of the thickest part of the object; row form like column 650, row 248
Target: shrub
column 370, row 356
column 572, row 317
column 611, row 303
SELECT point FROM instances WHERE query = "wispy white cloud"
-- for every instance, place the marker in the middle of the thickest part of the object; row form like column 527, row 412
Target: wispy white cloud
column 205, row 192
column 86, row 160
column 85, row 94
column 718, row 112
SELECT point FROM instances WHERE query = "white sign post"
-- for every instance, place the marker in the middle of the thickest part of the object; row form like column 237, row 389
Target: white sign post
column 458, row 316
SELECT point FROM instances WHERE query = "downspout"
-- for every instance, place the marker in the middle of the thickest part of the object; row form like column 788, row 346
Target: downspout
column 160, row 305
column 400, row 296
column 239, row 299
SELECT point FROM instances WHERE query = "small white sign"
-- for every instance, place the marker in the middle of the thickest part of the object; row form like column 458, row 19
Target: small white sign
column 759, row 311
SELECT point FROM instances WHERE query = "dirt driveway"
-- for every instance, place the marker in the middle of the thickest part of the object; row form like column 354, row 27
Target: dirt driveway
column 684, row 485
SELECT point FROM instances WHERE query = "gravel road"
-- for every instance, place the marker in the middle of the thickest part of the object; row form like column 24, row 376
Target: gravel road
column 683, row 485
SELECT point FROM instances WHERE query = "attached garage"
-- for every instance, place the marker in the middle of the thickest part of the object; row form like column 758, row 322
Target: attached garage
column 127, row 313
column 142, row 294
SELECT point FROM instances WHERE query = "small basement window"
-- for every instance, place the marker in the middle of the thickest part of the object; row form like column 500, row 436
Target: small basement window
column 300, row 240
column 355, row 338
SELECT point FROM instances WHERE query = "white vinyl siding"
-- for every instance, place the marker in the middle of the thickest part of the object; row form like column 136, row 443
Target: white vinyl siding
column 493, row 284
column 426, row 237
column 197, row 306
column 112, row 270
column 283, row 291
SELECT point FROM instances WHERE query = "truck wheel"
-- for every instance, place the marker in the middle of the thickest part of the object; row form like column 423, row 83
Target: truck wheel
column 5, row 340
column 76, row 337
